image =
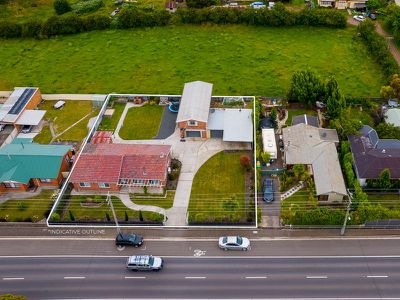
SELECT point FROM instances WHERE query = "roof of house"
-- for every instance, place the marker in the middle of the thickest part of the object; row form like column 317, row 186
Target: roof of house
column 195, row 102
column 306, row 144
column 21, row 162
column 111, row 162
column 306, row 119
column 393, row 116
column 104, row 137
column 372, row 155
column 236, row 123
column 15, row 104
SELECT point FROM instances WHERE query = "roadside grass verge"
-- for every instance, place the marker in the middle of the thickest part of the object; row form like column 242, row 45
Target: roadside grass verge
column 141, row 123
column 218, row 190
column 162, row 59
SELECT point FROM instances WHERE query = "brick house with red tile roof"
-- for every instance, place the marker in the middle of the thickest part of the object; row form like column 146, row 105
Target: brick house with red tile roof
column 110, row 167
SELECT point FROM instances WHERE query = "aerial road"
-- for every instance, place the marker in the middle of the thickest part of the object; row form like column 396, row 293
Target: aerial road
column 97, row 277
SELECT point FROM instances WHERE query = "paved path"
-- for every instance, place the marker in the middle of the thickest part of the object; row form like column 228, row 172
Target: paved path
column 126, row 200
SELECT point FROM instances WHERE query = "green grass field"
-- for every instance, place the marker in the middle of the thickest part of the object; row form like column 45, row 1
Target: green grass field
column 236, row 59
column 141, row 123
column 218, row 190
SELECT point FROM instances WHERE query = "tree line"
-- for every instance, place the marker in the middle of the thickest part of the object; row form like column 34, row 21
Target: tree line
column 72, row 23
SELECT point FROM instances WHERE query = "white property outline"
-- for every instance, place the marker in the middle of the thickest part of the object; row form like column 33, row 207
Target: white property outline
column 90, row 134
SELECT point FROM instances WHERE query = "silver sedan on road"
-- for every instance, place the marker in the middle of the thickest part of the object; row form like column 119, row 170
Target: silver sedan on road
column 234, row 243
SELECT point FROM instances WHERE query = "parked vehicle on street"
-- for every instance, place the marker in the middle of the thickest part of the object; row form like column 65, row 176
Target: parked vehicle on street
column 359, row 18
column 128, row 239
column 234, row 243
column 268, row 190
column 144, row 263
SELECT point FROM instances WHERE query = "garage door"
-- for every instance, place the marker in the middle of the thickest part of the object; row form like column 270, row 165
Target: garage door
column 191, row 133
column 216, row 133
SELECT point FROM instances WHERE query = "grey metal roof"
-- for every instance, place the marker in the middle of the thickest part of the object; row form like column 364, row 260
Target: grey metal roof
column 195, row 101
column 304, row 145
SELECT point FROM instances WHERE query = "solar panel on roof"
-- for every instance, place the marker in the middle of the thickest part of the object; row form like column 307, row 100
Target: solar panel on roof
column 21, row 102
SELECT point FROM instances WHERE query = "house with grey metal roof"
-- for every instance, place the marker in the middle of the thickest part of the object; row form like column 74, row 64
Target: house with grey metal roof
column 197, row 120
column 316, row 147
column 371, row 155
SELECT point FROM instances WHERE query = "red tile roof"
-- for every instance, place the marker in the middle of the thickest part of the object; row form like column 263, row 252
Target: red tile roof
column 102, row 137
column 111, row 162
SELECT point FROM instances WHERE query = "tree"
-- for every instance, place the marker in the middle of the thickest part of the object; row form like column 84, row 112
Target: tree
column 71, row 215
column 384, row 180
column 388, row 131
column 200, row 3
column 108, row 217
column 298, row 170
column 273, row 115
column 140, row 216
column 266, row 156
column 387, row 92
column 393, row 89
column 335, row 102
column 126, row 216
column 306, row 87
column 245, row 162
column 61, row 6
column 345, row 125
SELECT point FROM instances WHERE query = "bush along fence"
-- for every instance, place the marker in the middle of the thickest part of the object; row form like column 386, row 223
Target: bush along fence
column 377, row 47
column 134, row 17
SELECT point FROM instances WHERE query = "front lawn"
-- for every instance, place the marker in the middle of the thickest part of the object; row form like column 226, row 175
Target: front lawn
column 141, row 123
column 166, row 202
column 296, row 112
column 44, row 137
column 95, row 209
column 110, row 124
column 218, row 190
column 391, row 201
column 31, row 209
column 63, row 118
column 161, row 59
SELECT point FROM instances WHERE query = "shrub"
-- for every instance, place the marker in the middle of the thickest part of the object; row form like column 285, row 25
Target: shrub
column 245, row 161
column 62, row 25
column 87, row 6
column 126, row 216
column 96, row 22
column 10, row 29
column 31, row 28
column 140, row 216
column 55, row 217
column 71, row 215
column 230, row 205
column 108, row 217
column 22, row 206
column 61, row 6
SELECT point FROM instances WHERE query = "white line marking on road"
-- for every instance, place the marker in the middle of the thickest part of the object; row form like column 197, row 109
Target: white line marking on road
column 74, row 277
column 317, row 277
column 195, row 277
column 377, row 276
column 256, row 277
column 13, row 278
column 133, row 277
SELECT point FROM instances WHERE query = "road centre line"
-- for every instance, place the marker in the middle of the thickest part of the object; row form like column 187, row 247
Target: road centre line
column 377, row 276
column 135, row 277
column 317, row 277
column 74, row 277
column 195, row 277
column 256, row 277
column 13, row 278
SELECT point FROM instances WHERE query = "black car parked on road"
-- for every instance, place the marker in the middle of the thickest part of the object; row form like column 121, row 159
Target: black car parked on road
column 128, row 239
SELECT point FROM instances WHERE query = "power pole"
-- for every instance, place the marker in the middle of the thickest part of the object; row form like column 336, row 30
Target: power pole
column 109, row 202
column 347, row 217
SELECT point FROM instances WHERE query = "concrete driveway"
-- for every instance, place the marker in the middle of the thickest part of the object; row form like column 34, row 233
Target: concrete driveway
column 270, row 212
column 167, row 125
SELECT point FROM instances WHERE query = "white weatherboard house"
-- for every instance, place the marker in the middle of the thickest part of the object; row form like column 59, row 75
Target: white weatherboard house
column 269, row 142
column 316, row 148
column 197, row 120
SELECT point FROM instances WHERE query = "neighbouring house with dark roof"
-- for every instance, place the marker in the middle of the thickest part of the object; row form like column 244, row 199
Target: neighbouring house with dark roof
column 372, row 155
column 25, row 166
column 198, row 121
column 316, row 148
column 305, row 119
column 110, row 167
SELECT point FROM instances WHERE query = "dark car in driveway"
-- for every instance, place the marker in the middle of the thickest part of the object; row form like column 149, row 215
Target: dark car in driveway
column 128, row 239
column 268, row 190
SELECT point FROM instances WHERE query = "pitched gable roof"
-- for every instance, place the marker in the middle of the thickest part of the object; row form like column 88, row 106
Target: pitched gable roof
column 195, row 102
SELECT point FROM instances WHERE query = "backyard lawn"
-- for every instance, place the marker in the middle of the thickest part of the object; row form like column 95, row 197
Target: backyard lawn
column 30, row 209
column 162, row 59
column 96, row 209
column 111, row 123
column 166, row 202
column 61, row 119
column 141, row 123
column 218, row 190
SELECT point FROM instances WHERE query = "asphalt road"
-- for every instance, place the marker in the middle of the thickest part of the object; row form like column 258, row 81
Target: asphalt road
column 182, row 277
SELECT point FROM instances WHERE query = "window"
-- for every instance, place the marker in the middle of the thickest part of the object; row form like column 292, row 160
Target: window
column 154, row 182
column 103, row 185
column 84, row 184
column 138, row 181
column 123, row 181
column 192, row 123
column 45, row 180
column 11, row 185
